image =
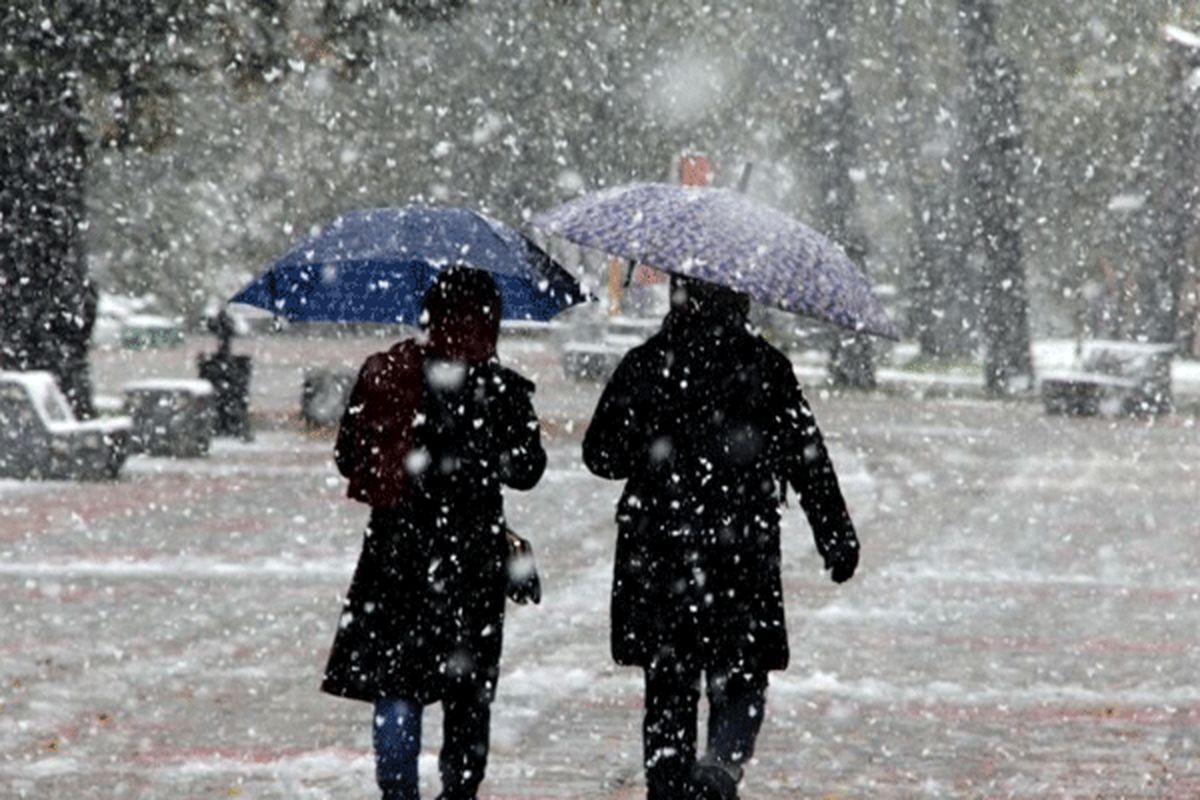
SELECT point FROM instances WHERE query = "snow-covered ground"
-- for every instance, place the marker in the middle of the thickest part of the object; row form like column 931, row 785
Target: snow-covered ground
column 1024, row 623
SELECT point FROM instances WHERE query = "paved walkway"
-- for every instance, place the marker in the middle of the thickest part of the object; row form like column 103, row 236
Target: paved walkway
column 1024, row 624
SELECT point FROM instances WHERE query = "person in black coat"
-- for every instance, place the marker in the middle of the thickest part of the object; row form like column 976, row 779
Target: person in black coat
column 431, row 433
column 708, row 427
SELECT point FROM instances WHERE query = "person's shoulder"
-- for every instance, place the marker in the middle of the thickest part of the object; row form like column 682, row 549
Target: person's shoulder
column 646, row 354
column 774, row 361
column 636, row 366
column 403, row 356
column 506, row 379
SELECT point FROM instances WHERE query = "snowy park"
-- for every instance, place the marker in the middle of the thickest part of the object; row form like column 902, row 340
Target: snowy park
column 476, row 400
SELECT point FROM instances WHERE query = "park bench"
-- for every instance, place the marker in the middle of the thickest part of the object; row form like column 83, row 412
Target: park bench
column 171, row 417
column 41, row 439
column 150, row 331
column 1113, row 379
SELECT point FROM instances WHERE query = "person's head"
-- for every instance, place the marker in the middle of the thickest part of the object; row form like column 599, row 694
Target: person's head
column 701, row 297
column 461, row 314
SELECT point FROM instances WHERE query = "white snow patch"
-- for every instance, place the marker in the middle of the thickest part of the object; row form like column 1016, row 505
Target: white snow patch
column 1126, row 202
column 194, row 386
column 874, row 690
column 1181, row 36
column 690, row 86
column 191, row 567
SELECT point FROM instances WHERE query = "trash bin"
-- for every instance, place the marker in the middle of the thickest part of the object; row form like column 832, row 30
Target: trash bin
column 230, row 378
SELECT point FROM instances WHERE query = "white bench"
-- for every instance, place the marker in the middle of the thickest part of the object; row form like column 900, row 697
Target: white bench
column 41, row 439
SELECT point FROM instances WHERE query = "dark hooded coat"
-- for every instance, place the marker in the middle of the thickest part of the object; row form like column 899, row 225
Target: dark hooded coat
column 707, row 424
column 430, row 435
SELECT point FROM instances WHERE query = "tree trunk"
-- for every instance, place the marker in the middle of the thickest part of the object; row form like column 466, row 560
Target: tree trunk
column 851, row 359
column 1163, row 283
column 994, row 128
column 49, row 305
column 935, row 287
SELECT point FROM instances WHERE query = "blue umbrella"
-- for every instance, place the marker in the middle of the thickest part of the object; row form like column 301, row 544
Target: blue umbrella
column 374, row 265
column 724, row 237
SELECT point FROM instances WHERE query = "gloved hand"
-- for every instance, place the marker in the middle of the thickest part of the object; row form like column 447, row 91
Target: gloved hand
column 842, row 560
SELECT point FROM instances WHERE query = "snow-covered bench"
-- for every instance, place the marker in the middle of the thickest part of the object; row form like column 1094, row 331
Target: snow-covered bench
column 171, row 417
column 41, row 439
column 149, row 331
column 1113, row 379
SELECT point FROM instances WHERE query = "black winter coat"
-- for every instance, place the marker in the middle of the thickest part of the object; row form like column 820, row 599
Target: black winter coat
column 424, row 615
column 708, row 426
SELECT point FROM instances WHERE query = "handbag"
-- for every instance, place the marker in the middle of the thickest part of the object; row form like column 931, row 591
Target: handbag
column 523, row 583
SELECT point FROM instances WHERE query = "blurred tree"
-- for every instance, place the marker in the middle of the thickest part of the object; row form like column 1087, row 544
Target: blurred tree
column 994, row 165
column 1173, row 199
column 934, row 283
column 58, row 52
column 851, row 358
column 353, row 27
column 49, row 304
column 43, row 275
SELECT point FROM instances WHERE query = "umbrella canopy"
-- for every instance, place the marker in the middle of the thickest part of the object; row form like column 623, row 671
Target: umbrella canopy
column 725, row 238
column 374, row 265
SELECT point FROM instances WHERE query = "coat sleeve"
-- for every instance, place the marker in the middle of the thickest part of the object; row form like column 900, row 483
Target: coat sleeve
column 522, row 459
column 809, row 470
column 377, row 421
column 613, row 440
column 347, row 451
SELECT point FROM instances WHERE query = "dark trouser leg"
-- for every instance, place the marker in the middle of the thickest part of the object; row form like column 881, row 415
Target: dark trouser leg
column 397, row 735
column 463, row 760
column 736, row 703
column 669, row 728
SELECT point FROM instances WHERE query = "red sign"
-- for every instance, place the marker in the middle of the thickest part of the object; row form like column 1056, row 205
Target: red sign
column 695, row 171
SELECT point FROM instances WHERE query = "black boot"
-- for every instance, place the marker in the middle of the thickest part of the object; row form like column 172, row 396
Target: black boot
column 399, row 793
column 713, row 781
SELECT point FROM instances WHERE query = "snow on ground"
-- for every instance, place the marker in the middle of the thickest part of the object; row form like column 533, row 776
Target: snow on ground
column 1024, row 623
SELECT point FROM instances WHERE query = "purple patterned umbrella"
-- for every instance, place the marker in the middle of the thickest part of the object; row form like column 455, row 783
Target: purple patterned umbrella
column 724, row 237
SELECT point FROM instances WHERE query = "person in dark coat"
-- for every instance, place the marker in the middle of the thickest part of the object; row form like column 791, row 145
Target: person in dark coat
column 432, row 431
column 708, row 427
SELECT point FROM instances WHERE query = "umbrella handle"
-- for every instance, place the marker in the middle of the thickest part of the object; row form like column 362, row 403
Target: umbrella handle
column 629, row 273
